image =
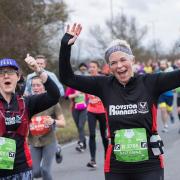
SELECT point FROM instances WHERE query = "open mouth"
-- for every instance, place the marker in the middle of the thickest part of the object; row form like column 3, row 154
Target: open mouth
column 122, row 72
column 7, row 83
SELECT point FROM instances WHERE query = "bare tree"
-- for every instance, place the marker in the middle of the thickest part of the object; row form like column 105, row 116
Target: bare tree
column 174, row 53
column 23, row 26
column 122, row 27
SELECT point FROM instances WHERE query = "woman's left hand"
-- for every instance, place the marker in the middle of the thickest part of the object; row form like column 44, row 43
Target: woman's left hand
column 75, row 31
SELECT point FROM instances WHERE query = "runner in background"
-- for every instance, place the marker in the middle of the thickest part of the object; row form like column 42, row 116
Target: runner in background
column 148, row 67
column 78, row 107
column 16, row 112
column 42, row 62
column 96, row 112
column 42, row 138
column 166, row 99
column 79, row 114
column 82, row 69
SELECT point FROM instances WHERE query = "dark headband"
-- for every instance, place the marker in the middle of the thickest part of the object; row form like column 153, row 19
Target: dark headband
column 117, row 48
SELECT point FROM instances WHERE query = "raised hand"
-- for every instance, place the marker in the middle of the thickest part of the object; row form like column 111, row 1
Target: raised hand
column 75, row 31
column 31, row 62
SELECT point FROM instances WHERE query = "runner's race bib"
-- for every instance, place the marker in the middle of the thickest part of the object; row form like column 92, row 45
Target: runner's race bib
column 7, row 153
column 38, row 127
column 80, row 102
column 130, row 145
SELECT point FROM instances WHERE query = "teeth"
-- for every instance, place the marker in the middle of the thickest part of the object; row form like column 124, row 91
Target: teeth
column 122, row 72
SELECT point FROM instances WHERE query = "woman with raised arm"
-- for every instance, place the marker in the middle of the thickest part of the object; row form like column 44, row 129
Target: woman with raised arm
column 15, row 114
column 135, row 149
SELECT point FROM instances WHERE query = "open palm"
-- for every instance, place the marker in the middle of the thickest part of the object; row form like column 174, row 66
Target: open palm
column 75, row 30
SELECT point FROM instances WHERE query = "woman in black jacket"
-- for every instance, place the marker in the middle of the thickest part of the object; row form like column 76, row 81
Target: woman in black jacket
column 135, row 149
column 15, row 114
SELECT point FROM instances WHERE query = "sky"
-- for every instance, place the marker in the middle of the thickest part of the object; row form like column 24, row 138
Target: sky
column 162, row 17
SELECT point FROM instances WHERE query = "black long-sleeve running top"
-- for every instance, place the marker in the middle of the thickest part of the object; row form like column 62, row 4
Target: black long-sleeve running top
column 33, row 105
column 130, row 106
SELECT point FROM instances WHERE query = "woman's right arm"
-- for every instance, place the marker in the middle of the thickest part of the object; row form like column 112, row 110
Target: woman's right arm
column 83, row 83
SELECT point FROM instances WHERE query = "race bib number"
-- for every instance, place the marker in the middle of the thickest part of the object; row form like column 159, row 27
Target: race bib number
column 7, row 153
column 80, row 102
column 130, row 145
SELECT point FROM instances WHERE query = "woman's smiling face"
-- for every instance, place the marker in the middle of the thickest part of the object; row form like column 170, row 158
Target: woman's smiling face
column 121, row 65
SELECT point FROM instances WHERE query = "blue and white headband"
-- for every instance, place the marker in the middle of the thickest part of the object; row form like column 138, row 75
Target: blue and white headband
column 117, row 48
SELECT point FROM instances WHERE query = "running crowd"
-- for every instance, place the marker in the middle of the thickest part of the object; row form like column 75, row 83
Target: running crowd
column 122, row 96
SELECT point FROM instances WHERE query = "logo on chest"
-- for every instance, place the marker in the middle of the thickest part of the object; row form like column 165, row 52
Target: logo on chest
column 13, row 120
column 143, row 107
column 128, row 109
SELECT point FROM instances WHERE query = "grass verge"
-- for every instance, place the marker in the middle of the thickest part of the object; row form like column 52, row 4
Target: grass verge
column 69, row 132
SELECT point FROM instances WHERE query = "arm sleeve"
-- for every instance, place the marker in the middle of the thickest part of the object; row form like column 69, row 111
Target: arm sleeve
column 168, row 81
column 41, row 102
column 59, row 85
column 162, row 82
column 86, row 84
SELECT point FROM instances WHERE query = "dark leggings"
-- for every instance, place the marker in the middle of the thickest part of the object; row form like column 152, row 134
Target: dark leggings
column 150, row 175
column 92, row 118
column 80, row 120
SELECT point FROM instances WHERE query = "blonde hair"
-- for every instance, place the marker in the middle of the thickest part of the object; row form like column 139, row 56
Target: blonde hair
column 119, row 42
column 118, row 45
